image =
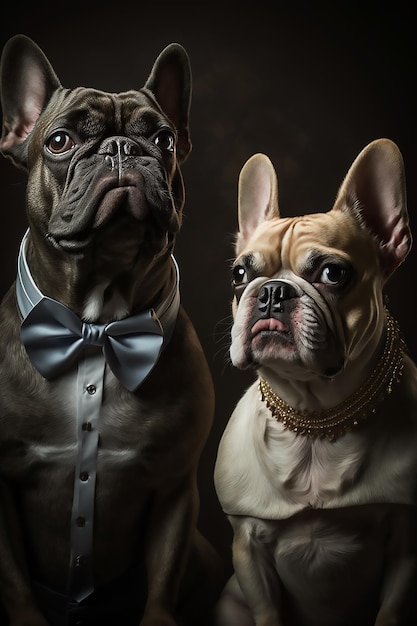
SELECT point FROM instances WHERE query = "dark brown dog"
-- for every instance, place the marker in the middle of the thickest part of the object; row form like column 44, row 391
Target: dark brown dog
column 102, row 421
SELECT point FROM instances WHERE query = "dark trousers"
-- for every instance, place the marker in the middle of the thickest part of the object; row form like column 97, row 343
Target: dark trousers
column 119, row 602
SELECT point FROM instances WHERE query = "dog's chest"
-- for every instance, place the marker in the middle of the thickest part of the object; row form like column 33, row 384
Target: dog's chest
column 308, row 471
column 278, row 473
column 83, row 414
column 265, row 471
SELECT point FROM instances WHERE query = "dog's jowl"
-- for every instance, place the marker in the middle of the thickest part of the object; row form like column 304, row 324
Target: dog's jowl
column 106, row 399
column 317, row 467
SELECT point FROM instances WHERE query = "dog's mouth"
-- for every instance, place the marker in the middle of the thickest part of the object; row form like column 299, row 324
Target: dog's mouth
column 131, row 198
column 74, row 232
column 272, row 334
column 270, row 325
column 271, row 338
column 274, row 339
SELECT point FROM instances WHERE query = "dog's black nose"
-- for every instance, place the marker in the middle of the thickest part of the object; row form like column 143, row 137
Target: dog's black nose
column 119, row 147
column 272, row 297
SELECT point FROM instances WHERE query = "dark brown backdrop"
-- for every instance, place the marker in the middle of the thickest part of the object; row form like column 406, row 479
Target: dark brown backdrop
column 308, row 86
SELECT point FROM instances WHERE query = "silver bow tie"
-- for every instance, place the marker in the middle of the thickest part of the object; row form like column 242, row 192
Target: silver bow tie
column 54, row 336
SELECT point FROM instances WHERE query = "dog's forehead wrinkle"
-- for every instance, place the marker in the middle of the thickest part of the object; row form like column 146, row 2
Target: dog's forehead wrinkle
column 246, row 259
column 97, row 113
column 271, row 245
column 255, row 261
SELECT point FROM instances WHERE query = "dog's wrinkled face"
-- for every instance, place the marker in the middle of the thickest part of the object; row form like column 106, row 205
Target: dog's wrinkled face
column 301, row 285
column 99, row 164
column 309, row 290
column 104, row 158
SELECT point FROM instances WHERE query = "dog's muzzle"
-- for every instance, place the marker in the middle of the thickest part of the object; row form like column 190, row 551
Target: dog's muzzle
column 302, row 319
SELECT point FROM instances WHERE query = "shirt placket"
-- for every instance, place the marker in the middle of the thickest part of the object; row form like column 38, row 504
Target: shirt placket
column 90, row 381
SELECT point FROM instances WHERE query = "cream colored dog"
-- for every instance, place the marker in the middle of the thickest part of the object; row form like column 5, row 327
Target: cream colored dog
column 317, row 467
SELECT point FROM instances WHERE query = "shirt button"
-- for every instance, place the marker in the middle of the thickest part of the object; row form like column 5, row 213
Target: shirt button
column 87, row 426
column 91, row 389
column 78, row 561
column 80, row 521
column 84, row 476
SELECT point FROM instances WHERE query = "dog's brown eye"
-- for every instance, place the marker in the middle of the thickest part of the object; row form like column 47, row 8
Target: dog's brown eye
column 165, row 140
column 239, row 275
column 59, row 143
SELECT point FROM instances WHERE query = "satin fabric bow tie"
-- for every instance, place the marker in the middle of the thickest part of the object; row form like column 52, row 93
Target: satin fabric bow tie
column 54, row 336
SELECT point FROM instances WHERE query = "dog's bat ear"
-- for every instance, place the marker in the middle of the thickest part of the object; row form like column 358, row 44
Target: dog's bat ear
column 27, row 82
column 257, row 196
column 170, row 82
column 374, row 190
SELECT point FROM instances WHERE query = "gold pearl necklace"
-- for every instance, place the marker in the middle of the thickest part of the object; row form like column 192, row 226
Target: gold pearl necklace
column 350, row 413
